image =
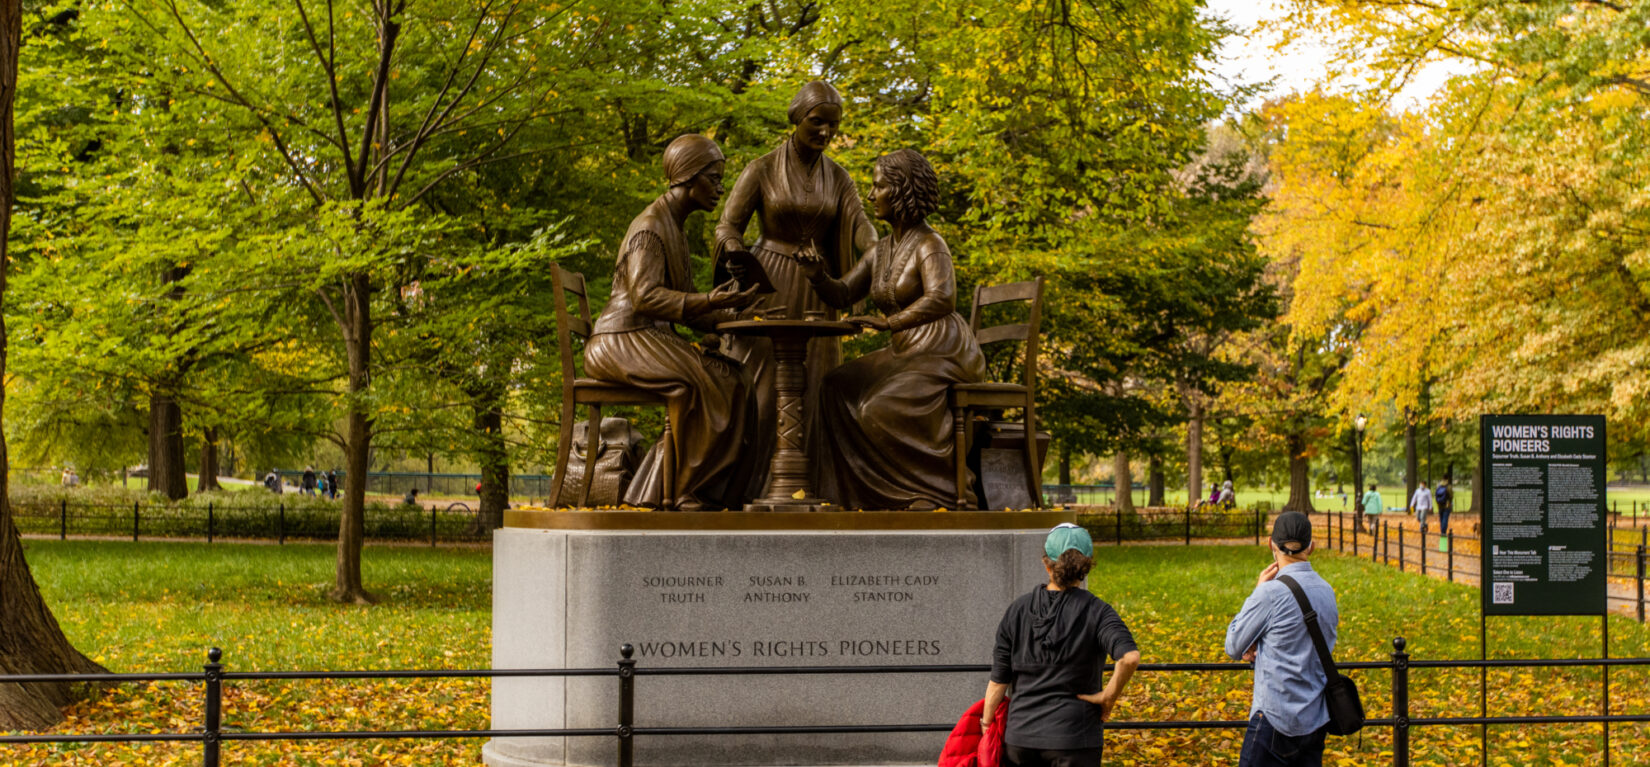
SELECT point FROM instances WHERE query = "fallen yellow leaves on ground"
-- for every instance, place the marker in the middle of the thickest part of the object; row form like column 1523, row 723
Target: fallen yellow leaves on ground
column 154, row 614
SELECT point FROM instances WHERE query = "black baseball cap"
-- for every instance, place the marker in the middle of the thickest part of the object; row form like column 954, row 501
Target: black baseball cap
column 1292, row 532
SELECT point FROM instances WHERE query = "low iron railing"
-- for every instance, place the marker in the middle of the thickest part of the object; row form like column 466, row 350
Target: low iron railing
column 1426, row 551
column 625, row 731
column 455, row 522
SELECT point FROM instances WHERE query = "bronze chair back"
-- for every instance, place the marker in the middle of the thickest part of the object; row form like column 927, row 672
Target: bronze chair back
column 1025, row 332
column 592, row 394
column 970, row 397
column 562, row 282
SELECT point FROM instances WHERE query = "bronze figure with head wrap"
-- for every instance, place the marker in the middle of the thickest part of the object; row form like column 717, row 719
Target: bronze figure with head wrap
column 634, row 342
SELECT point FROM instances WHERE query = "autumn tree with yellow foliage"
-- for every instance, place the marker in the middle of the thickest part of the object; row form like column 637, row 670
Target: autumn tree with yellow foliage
column 1490, row 249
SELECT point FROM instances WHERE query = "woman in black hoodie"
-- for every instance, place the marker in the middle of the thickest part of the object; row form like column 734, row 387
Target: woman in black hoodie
column 1052, row 646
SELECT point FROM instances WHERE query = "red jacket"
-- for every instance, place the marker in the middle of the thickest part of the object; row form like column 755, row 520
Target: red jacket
column 968, row 747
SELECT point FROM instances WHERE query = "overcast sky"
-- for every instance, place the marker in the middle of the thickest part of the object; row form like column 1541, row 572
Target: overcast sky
column 1299, row 66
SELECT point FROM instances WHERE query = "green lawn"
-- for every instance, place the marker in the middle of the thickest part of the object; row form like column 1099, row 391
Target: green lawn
column 1625, row 499
column 157, row 606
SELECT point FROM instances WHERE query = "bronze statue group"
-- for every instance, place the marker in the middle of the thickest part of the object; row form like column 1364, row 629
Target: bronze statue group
column 879, row 431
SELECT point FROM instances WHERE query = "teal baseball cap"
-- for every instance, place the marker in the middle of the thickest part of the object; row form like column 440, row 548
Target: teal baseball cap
column 1067, row 536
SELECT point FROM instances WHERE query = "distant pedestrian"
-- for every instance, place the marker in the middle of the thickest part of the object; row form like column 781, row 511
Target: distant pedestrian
column 1421, row 504
column 308, row 486
column 272, row 481
column 1288, row 715
column 411, row 498
column 1446, row 504
column 1227, row 499
column 1371, row 505
column 332, row 484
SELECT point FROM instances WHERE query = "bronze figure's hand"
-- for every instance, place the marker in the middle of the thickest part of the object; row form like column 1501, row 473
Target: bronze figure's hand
column 868, row 321
column 736, row 268
column 811, row 261
column 729, row 296
column 763, row 312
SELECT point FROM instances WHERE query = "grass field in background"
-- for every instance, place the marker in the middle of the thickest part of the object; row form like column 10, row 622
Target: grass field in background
column 158, row 606
column 1621, row 498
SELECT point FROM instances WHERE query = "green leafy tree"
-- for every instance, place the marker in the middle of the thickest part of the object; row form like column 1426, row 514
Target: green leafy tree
column 31, row 641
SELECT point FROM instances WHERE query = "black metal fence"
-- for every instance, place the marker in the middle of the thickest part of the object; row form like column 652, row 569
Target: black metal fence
column 452, row 523
column 213, row 737
column 399, row 482
column 1458, row 557
column 1453, row 556
column 1159, row 524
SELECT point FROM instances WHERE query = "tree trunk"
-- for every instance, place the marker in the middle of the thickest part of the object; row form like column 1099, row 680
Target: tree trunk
column 209, row 462
column 31, row 642
column 1123, row 481
column 166, row 447
column 347, row 585
column 1412, row 468
column 1154, row 481
column 494, row 459
column 1065, row 463
column 1194, row 455
column 1300, row 476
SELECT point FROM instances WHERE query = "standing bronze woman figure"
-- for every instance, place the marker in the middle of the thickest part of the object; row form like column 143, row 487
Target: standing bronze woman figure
column 801, row 201
column 634, row 342
column 882, row 433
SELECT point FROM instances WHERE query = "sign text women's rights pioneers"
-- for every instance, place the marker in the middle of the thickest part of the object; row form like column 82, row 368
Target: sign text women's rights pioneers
column 1545, row 551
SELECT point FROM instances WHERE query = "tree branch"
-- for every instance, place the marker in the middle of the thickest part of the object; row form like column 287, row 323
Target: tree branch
column 206, row 62
column 328, row 68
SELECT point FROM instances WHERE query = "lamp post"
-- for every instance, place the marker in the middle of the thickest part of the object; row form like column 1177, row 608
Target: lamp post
column 1358, row 425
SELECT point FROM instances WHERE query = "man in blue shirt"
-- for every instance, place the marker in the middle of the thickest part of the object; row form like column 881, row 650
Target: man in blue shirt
column 1288, row 716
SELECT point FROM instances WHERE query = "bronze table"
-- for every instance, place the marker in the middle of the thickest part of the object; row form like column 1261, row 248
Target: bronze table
column 788, row 488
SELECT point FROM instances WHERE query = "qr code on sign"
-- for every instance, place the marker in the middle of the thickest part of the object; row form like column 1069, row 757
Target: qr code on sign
column 1502, row 594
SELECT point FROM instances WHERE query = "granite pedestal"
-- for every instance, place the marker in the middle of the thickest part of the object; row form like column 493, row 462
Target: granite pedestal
column 750, row 590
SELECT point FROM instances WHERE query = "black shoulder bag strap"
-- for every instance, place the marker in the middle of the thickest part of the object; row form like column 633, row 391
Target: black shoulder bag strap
column 1346, row 711
column 1312, row 627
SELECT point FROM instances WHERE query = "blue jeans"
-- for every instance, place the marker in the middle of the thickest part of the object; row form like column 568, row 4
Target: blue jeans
column 1443, row 522
column 1266, row 747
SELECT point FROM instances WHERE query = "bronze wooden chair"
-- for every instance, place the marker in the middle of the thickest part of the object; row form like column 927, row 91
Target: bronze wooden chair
column 594, row 394
column 991, row 395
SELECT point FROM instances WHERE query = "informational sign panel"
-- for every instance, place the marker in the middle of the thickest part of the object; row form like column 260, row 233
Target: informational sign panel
column 1545, row 548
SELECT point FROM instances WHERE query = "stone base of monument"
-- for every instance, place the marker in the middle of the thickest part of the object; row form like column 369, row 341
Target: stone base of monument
column 750, row 590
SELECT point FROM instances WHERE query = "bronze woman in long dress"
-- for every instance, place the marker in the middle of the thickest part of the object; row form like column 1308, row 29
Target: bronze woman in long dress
column 882, row 433
column 800, row 199
column 633, row 342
